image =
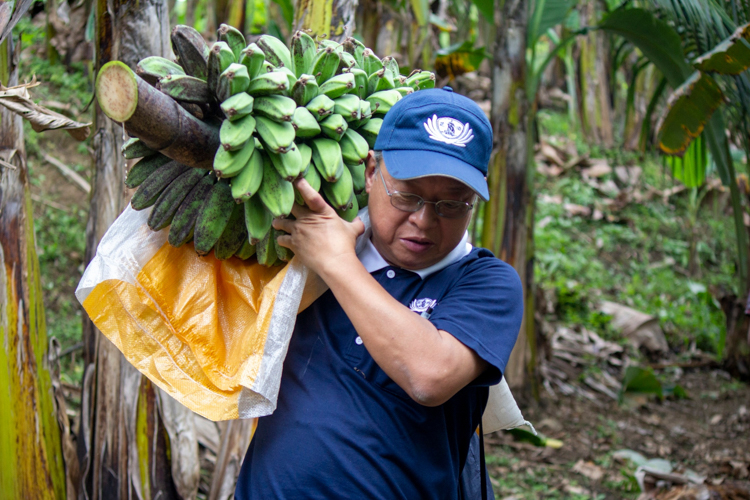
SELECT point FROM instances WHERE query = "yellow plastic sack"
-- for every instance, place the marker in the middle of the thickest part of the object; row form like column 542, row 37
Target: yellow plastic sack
column 212, row 334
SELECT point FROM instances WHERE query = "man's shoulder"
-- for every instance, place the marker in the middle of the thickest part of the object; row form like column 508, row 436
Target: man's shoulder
column 482, row 263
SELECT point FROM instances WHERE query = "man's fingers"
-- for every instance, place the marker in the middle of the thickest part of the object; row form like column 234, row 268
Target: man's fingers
column 285, row 240
column 358, row 225
column 285, row 225
column 312, row 198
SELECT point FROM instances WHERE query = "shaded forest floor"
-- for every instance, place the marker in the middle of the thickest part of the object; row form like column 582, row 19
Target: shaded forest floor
column 707, row 433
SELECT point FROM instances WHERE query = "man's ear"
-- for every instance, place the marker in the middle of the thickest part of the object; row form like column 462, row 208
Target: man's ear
column 371, row 166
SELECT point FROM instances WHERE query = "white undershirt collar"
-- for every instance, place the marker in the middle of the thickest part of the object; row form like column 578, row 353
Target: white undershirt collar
column 373, row 261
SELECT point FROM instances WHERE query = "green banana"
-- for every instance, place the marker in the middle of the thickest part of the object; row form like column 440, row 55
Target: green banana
column 284, row 254
column 347, row 62
column 334, row 126
column 350, row 213
column 312, row 176
column 213, row 217
column 303, row 53
column 276, row 107
column 276, row 52
column 232, row 37
column 276, row 137
column 371, row 63
column 191, row 50
column 325, row 65
column 267, row 67
column 404, row 91
column 219, row 59
column 362, row 200
column 170, row 199
column 320, row 107
column 304, row 89
column 360, row 83
column 370, row 130
column 247, row 182
column 230, row 163
column 268, row 84
column 183, row 222
column 364, row 112
column 135, row 148
column 333, row 44
column 326, row 156
column 347, row 106
column 246, row 251
column 390, row 63
column 155, row 67
column 305, row 154
column 358, row 176
column 277, row 194
column 233, row 236
column 149, row 191
column 357, row 49
column 337, row 86
column 185, row 88
column 421, row 80
column 380, row 80
column 354, row 147
column 265, row 251
column 257, row 219
column 252, row 58
column 289, row 164
column 341, row 192
column 381, row 102
column 290, row 76
column 144, row 168
column 304, row 123
column 238, row 106
column 234, row 134
column 232, row 81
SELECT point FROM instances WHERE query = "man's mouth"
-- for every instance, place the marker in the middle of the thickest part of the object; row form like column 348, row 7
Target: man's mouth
column 417, row 244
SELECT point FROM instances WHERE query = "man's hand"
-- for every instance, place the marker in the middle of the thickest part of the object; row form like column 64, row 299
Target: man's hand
column 318, row 236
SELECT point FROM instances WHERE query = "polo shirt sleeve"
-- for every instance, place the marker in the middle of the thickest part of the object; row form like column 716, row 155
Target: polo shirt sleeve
column 483, row 310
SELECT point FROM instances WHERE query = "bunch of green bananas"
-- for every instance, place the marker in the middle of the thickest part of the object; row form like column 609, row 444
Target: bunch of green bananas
column 310, row 110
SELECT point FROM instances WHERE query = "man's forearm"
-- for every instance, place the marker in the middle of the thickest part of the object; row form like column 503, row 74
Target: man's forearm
column 429, row 364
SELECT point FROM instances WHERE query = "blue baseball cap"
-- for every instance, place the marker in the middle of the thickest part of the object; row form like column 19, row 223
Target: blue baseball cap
column 437, row 132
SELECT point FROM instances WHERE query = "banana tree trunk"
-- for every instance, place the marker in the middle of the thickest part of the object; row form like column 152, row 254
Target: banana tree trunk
column 333, row 19
column 31, row 458
column 507, row 229
column 596, row 110
column 124, row 448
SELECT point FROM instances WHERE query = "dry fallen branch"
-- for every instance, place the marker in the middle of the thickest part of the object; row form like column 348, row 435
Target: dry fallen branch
column 68, row 173
column 18, row 100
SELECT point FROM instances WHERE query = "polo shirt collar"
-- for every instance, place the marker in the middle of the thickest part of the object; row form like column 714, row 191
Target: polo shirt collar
column 373, row 261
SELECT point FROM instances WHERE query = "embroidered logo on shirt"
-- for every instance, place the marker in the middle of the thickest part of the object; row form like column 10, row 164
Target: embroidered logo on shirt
column 421, row 305
column 449, row 130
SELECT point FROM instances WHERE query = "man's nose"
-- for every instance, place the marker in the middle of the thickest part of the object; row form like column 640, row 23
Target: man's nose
column 425, row 217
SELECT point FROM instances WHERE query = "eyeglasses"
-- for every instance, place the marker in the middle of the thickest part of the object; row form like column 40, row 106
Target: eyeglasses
column 409, row 202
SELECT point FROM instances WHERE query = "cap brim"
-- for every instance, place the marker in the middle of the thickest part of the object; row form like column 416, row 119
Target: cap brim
column 413, row 164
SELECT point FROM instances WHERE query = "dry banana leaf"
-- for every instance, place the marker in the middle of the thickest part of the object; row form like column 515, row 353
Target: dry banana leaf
column 730, row 57
column 7, row 22
column 18, row 100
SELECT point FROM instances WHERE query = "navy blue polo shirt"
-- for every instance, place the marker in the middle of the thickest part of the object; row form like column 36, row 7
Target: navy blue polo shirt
column 343, row 429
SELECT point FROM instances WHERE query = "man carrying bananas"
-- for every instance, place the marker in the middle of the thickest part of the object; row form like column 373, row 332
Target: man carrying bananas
column 388, row 373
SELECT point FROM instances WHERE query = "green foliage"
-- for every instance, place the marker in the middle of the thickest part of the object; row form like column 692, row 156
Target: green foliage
column 640, row 258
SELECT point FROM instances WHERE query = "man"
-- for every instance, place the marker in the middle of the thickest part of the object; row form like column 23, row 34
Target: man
column 387, row 373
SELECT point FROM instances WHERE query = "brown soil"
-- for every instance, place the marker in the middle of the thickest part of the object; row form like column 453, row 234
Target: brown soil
column 708, row 433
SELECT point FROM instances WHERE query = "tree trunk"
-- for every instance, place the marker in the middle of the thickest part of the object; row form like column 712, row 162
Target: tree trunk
column 596, row 109
column 31, row 463
column 508, row 214
column 333, row 19
column 122, row 441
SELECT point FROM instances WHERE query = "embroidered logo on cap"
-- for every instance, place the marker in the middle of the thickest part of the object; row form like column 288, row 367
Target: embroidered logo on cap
column 449, row 130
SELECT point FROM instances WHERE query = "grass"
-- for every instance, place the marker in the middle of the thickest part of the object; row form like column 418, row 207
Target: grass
column 641, row 258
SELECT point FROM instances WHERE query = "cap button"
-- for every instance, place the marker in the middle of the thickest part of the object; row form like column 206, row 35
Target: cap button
column 447, row 88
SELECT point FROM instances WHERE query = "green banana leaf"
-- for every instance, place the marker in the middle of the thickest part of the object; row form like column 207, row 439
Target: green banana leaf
column 460, row 58
column 730, row 57
column 690, row 168
column 421, row 11
column 656, row 40
column 547, row 14
column 688, row 110
column 486, row 8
